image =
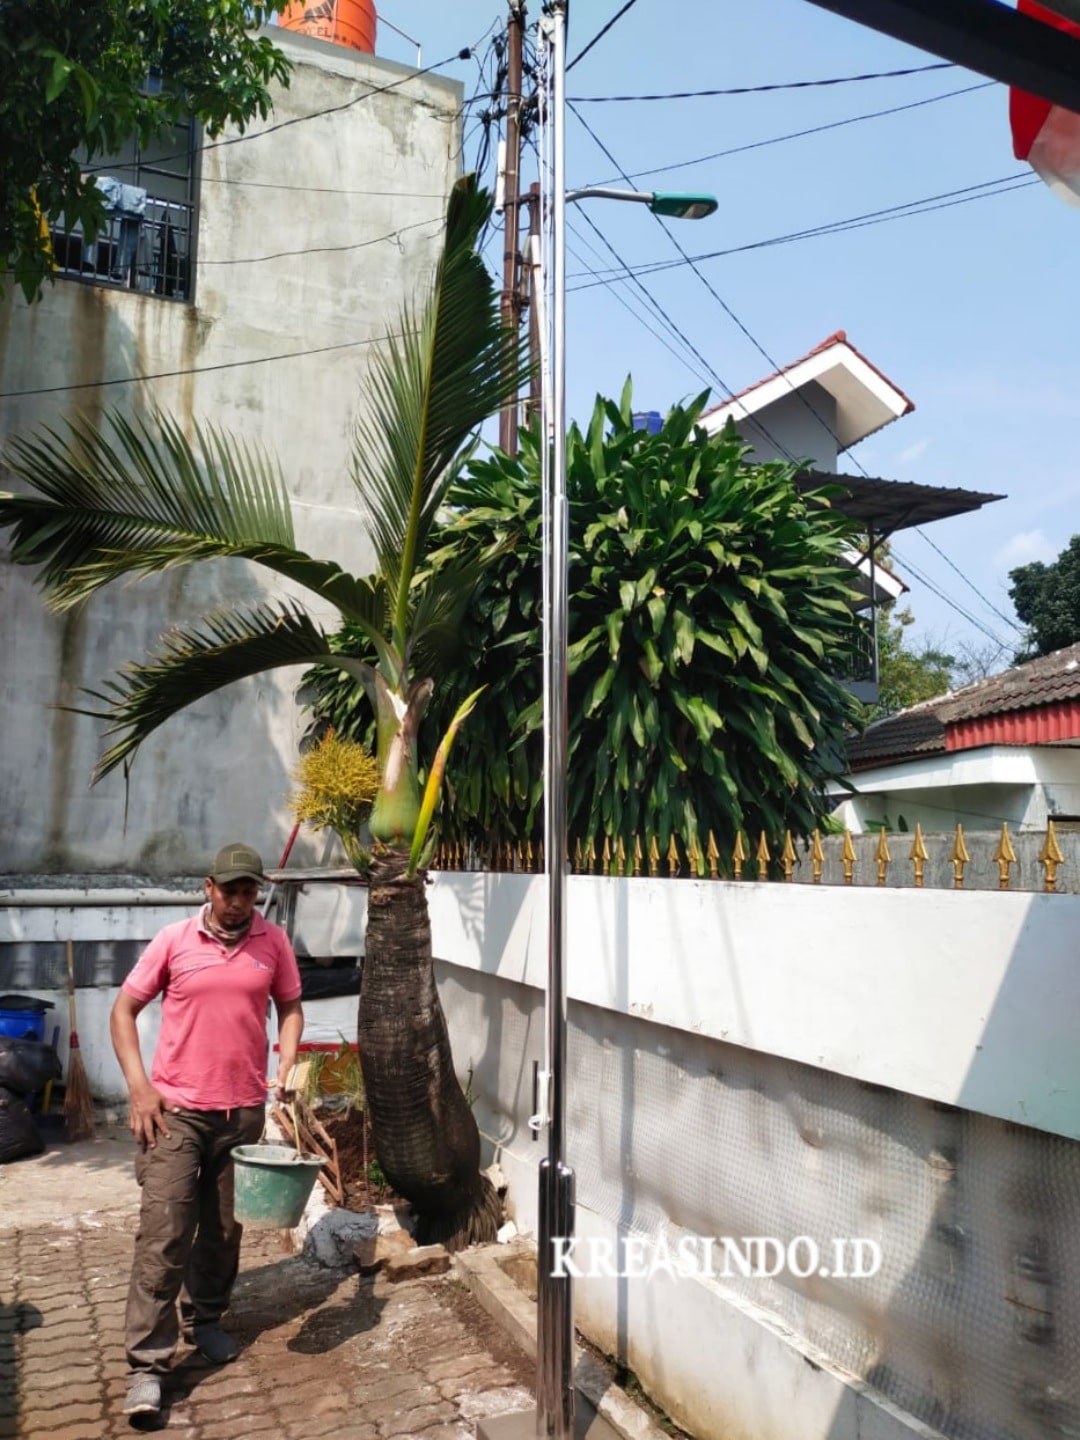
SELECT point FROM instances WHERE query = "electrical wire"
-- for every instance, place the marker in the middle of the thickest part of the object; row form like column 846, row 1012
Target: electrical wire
column 759, row 89
column 949, row 600
column 637, row 314
column 439, row 220
column 777, row 369
column 195, row 370
column 464, row 54
column 925, row 206
column 988, row 603
column 324, row 189
column 601, row 33
column 800, row 134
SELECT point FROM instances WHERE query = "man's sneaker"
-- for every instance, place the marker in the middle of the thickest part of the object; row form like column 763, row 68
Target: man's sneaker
column 211, row 1341
column 143, row 1395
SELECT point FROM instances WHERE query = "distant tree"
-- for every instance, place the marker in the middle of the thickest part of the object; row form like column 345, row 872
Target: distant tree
column 977, row 662
column 77, row 80
column 907, row 674
column 1047, row 600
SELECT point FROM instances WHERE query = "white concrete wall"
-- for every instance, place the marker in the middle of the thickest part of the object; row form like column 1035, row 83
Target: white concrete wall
column 350, row 206
column 965, row 1000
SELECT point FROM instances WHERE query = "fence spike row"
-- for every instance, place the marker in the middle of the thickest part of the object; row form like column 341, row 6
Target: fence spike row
column 817, row 856
column 1005, row 856
column 712, row 854
column 637, row 855
column 763, row 857
column 654, row 857
column 1050, row 857
column 883, row 857
column 672, row 857
column 738, row 856
column 788, row 856
column 919, row 855
column 848, row 856
column 959, row 857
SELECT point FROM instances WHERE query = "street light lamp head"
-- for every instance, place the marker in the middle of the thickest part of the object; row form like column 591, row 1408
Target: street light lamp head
column 683, row 207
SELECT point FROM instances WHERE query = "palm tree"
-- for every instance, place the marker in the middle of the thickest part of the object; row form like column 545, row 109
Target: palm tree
column 131, row 498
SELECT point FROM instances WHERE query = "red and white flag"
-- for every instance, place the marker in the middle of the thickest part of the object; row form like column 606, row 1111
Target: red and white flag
column 1044, row 134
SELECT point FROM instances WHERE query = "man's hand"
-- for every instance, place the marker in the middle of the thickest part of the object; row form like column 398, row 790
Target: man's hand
column 146, row 1115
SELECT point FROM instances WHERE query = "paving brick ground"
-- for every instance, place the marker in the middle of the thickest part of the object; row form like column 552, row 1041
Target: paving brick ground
column 327, row 1356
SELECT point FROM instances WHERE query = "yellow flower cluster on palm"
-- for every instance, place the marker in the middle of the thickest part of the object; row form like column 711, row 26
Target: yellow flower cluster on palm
column 338, row 781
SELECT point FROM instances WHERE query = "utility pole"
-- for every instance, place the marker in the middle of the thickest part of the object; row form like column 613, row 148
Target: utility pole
column 511, row 295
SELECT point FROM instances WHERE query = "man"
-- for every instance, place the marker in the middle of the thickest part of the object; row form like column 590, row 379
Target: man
column 216, row 974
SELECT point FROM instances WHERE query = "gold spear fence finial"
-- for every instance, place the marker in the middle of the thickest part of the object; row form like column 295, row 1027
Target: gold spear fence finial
column 817, row 856
column 1005, row 856
column 788, row 857
column 672, row 857
column 883, row 857
column 959, row 857
column 712, row 854
column 1050, row 857
column 848, row 856
column 762, row 857
column 738, row 856
column 919, row 855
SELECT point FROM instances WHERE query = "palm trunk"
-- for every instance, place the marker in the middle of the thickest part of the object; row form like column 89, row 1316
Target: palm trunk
column 426, row 1138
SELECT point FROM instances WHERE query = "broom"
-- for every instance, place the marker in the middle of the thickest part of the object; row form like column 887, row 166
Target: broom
column 78, row 1102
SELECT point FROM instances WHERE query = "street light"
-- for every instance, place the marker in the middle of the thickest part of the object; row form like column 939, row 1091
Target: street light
column 555, row 1321
column 671, row 204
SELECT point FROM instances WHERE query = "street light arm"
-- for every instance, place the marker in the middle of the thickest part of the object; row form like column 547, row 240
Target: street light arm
column 603, row 192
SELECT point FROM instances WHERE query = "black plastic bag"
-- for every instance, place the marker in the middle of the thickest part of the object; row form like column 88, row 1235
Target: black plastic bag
column 19, row 1135
column 27, row 1065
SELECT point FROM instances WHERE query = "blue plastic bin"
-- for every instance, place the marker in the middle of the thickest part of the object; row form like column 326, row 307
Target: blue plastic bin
column 22, row 1017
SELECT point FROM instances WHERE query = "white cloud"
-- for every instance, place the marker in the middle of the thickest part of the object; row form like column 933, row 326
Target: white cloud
column 913, row 452
column 1024, row 547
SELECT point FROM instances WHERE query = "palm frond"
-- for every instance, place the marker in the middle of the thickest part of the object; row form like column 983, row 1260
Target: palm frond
column 136, row 498
column 106, row 496
column 196, row 661
column 452, row 367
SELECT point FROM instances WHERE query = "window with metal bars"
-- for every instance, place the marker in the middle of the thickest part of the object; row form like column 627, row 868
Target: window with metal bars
column 147, row 241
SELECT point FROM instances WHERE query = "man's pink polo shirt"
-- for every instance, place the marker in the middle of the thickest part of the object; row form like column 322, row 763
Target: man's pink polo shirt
column 212, row 1050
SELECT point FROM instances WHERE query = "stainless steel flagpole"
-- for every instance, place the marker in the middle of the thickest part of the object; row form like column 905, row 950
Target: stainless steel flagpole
column 555, row 1316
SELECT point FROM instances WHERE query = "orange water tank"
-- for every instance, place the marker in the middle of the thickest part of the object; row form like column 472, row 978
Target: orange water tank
column 344, row 22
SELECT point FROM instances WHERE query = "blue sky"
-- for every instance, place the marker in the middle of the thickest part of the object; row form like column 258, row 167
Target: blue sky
column 972, row 309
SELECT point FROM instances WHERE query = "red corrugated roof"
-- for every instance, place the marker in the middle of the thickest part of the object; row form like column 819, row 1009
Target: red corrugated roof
column 1037, row 703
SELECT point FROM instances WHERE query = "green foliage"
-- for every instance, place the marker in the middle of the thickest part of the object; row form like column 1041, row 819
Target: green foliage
column 708, row 610
column 73, row 86
column 1047, row 601
column 907, row 676
column 128, row 498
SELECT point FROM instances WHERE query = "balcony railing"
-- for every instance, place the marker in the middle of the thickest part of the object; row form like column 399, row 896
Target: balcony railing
column 151, row 253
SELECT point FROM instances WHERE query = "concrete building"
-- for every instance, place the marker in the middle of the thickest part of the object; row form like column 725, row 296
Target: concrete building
column 812, row 411
column 267, row 266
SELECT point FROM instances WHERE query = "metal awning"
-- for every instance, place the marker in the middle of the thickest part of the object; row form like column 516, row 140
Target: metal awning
column 886, row 506
column 984, row 36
